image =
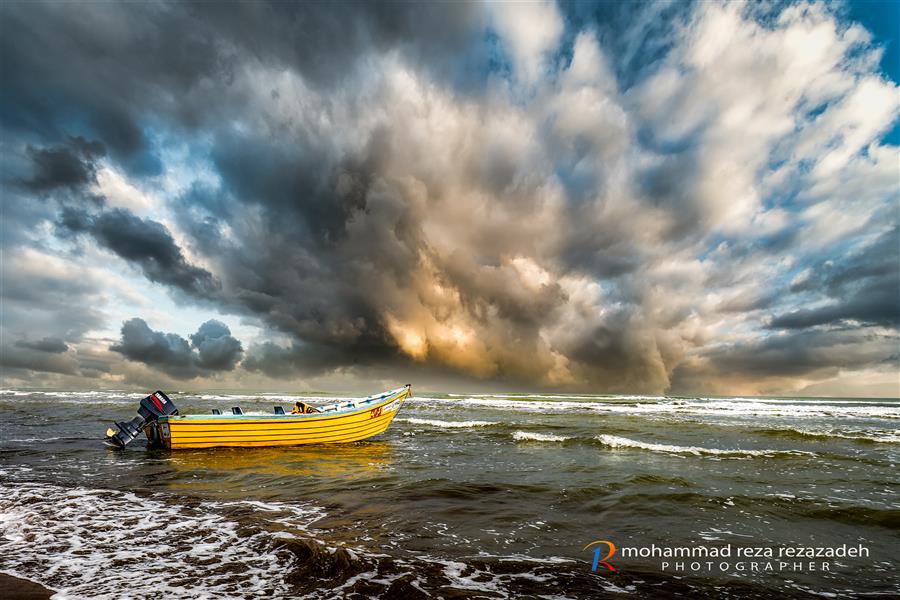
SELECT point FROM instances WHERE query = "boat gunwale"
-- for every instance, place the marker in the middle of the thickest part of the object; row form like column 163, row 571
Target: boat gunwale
column 361, row 407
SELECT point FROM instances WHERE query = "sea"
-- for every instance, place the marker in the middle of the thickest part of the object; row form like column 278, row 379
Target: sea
column 465, row 496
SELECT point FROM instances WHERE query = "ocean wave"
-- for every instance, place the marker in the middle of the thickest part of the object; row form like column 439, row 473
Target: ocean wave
column 71, row 394
column 879, row 437
column 649, row 405
column 514, row 396
column 620, row 442
column 122, row 397
column 272, row 398
column 525, row 436
column 228, row 397
column 70, row 540
column 80, row 398
column 748, row 407
column 447, row 424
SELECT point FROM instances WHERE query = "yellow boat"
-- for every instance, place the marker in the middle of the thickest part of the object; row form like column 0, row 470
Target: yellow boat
column 348, row 421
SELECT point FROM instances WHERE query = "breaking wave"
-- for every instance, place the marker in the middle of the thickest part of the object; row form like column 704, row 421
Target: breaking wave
column 731, row 407
column 447, row 424
column 878, row 437
column 525, row 436
column 620, row 442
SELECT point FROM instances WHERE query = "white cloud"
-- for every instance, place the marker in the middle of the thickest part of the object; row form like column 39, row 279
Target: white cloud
column 530, row 31
column 121, row 193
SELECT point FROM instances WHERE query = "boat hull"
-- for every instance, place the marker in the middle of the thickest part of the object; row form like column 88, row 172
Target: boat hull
column 369, row 418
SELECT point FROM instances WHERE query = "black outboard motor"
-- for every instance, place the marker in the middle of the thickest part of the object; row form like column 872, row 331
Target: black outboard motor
column 152, row 408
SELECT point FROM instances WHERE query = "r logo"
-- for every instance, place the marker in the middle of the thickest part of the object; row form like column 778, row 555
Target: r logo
column 602, row 561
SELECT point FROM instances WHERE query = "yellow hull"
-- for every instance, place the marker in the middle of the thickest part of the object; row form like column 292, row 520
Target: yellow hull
column 368, row 418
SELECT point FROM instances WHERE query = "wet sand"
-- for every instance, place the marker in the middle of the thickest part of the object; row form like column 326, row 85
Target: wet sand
column 16, row 588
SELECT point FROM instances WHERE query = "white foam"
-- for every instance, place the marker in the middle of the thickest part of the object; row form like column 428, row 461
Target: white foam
column 490, row 583
column 885, row 409
column 74, row 540
column 448, row 424
column 887, row 438
column 545, row 403
column 883, row 437
column 525, row 436
column 614, row 441
column 474, row 581
column 53, row 398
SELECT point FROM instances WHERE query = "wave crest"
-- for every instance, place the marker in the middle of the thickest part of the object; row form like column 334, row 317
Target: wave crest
column 448, row 424
column 614, row 441
column 525, row 436
column 878, row 437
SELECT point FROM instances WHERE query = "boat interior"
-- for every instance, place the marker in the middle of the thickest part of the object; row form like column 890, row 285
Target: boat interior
column 339, row 406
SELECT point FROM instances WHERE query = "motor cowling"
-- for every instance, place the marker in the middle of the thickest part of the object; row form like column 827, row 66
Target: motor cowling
column 150, row 410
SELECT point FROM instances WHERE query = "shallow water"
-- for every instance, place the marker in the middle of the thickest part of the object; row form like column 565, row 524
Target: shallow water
column 485, row 496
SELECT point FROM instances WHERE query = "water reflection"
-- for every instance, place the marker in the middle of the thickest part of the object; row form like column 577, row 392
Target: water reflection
column 319, row 461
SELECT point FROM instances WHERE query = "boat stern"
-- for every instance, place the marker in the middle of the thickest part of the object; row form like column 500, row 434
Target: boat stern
column 152, row 408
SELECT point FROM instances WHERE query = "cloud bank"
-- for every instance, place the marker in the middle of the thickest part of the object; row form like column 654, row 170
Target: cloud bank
column 697, row 198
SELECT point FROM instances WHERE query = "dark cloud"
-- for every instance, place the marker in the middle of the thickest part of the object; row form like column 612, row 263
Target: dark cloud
column 167, row 351
column 211, row 349
column 15, row 359
column 301, row 189
column 446, row 37
column 123, row 63
column 667, row 185
column 69, row 165
column 51, row 345
column 863, row 287
column 216, row 349
column 286, row 362
column 94, row 70
column 810, row 353
column 875, row 305
column 145, row 243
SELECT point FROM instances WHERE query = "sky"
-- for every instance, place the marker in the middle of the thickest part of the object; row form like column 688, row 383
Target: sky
column 639, row 198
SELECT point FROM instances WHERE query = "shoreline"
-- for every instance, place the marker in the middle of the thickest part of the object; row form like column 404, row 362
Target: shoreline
column 18, row 588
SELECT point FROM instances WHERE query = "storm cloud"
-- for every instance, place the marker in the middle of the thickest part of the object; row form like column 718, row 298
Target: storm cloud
column 68, row 165
column 51, row 345
column 861, row 288
column 146, row 244
column 634, row 198
column 212, row 348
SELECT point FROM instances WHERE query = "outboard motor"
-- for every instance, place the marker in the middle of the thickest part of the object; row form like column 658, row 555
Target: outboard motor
column 151, row 408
